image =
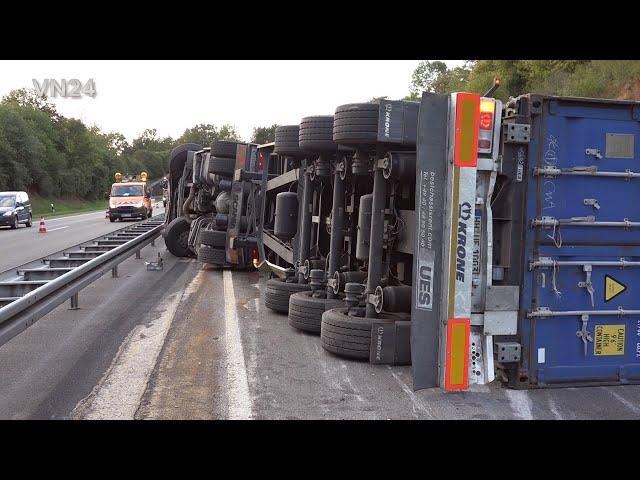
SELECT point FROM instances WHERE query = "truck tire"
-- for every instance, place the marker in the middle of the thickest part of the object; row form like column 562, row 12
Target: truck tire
column 176, row 236
column 224, row 149
column 212, row 238
column 212, row 255
column 316, row 134
column 178, row 156
column 286, row 142
column 350, row 336
column 277, row 293
column 221, row 165
column 305, row 311
column 356, row 124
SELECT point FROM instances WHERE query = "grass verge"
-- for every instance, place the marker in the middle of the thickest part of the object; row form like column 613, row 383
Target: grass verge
column 64, row 206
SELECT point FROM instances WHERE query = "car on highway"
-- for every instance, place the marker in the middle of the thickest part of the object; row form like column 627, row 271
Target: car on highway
column 130, row 198
column 15, row 208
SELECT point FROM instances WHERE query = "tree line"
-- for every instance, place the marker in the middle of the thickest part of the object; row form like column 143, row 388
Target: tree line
column 45, row 153
column 582, row 78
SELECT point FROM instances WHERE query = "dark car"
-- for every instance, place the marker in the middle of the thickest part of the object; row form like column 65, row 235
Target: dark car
column 15, row 208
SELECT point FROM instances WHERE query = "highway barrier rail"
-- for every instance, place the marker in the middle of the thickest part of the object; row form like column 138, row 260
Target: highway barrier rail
column 37, row 291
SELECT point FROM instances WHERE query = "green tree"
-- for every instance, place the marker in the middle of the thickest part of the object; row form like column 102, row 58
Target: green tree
column 427, row 77
column 149, row 140
column 228, row 132
column 205, row 134
column 264, row 134
column 24, row 97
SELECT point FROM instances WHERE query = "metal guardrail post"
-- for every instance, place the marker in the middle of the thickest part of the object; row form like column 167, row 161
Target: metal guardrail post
column 74, row 302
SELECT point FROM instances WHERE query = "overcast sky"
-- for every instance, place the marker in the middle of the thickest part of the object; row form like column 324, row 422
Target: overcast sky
column 174, row 95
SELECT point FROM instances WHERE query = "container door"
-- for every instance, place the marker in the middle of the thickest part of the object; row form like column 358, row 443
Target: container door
column 581, row 294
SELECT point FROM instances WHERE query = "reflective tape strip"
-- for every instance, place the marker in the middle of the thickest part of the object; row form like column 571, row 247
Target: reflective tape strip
column 467, row 126
column 457, row 361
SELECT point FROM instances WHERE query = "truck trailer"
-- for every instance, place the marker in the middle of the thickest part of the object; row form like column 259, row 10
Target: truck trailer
column 474, row 240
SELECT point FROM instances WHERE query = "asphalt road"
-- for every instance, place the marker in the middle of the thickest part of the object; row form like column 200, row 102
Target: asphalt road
column 26, row 244
column 192, row 342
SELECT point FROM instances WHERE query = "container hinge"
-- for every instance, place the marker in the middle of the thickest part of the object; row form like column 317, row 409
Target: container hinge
column 593, row 152
column 584, row 334
column 591, row 202
column 541, row 262
column 517, row 133
column 588, row 284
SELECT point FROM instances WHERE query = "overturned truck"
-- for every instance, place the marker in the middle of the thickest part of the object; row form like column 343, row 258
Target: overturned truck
column 472, row 239
column 210, row 210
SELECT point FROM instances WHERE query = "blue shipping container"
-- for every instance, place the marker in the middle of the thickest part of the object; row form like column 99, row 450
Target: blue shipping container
column 576, row 239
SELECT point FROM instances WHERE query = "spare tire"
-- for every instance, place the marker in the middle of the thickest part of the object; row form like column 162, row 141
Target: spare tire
column 212, row 255
column 224, row 149
column 350, row 336
column 356, row 124
column 277, row 293
column 212, row 238
column 316, row 134
column 176, row 237
column 286, row 142
column 305, row 310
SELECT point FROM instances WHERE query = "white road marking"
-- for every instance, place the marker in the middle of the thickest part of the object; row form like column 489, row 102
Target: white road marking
column 57, row 228
column 238, row 386
column 67, row 217
column 554, row 409
column 520, row 403
column 630, row 405
column 117, row 396
column 348, row 381
column 416, row 402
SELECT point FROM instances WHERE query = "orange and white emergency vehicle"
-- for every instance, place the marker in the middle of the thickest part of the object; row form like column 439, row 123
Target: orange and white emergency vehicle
column 130, row 197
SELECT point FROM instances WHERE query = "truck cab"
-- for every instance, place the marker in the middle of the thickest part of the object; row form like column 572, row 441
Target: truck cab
column 211, row 203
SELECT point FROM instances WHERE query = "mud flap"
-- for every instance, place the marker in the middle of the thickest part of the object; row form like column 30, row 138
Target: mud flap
column 397, row 122
column 431, row 175
column 390, row 343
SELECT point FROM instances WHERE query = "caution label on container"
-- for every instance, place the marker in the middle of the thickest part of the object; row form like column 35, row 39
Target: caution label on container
column 609, row 340
column 612, row 288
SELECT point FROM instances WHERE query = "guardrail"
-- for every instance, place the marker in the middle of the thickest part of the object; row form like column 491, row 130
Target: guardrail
column 23, row 312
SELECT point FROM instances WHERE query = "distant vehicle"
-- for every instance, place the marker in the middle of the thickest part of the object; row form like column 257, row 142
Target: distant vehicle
column 165, row 191
column 15, row 208
column 130, row 198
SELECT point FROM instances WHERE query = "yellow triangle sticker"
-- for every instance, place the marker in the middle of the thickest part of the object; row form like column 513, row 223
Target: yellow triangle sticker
column 612, row 288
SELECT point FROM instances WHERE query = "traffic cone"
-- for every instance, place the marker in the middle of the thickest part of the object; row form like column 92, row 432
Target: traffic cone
column 43, row 228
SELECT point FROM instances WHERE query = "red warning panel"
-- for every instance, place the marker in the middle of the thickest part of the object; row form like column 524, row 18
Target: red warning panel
column 467, row 125
column 457, row 361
